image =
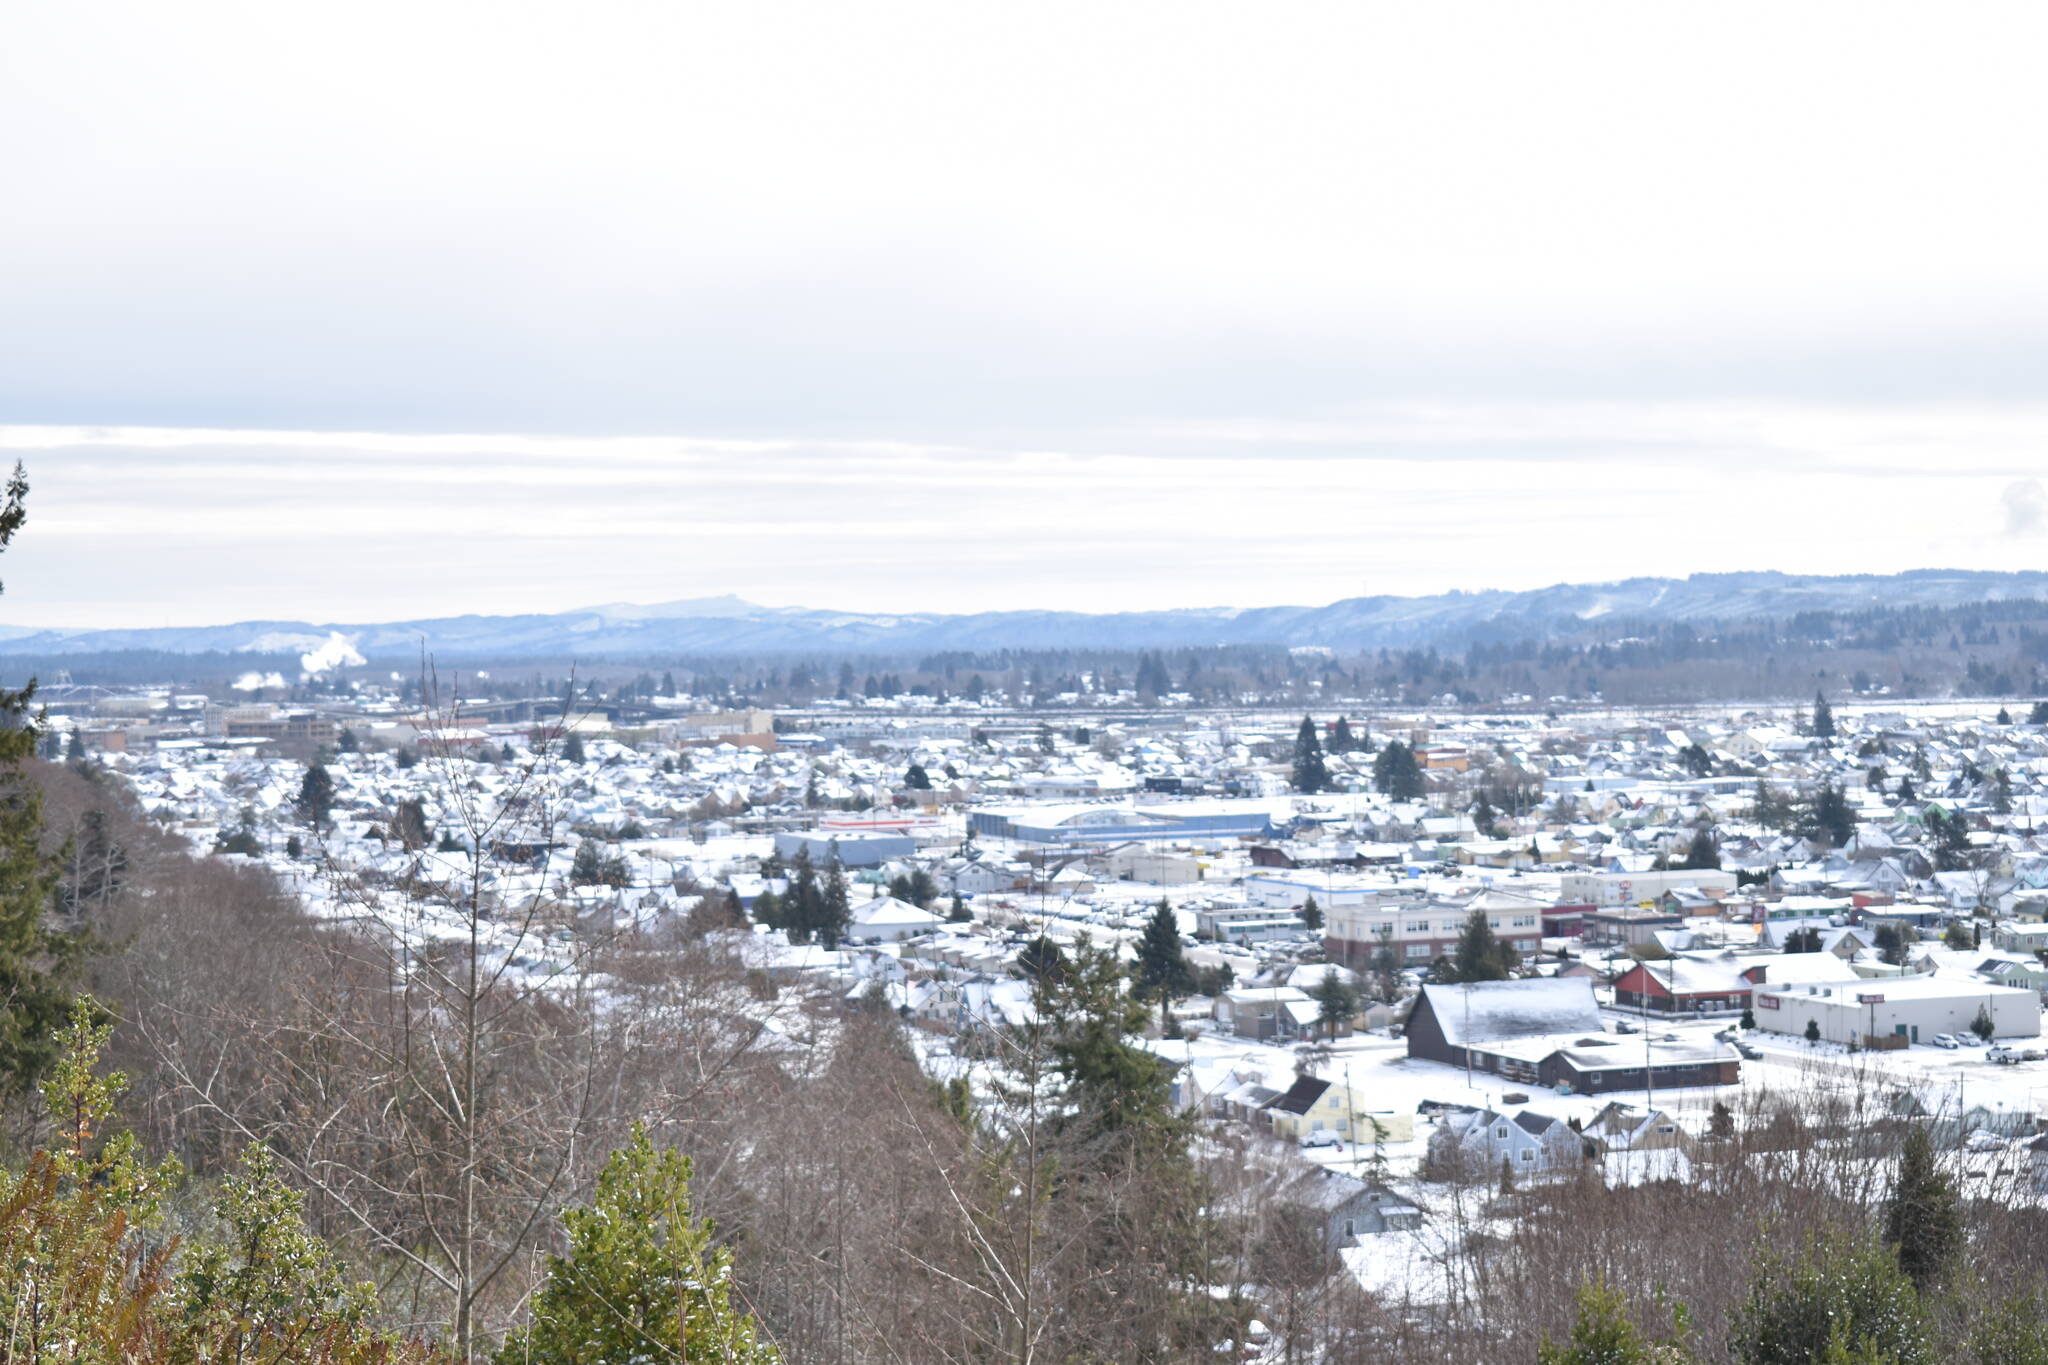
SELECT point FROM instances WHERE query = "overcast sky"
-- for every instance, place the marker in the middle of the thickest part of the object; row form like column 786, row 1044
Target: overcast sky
column 369, row 311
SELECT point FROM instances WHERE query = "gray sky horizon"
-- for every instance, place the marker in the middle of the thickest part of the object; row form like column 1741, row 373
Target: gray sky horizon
column 423, row 309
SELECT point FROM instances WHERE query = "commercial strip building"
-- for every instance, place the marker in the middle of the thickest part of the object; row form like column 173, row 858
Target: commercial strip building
column 1914, row 1008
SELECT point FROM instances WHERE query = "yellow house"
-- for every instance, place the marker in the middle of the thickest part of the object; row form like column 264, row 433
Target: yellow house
column 1313, row 1103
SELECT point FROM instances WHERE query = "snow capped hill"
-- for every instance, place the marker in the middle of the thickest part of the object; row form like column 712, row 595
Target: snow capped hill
column 712, row 625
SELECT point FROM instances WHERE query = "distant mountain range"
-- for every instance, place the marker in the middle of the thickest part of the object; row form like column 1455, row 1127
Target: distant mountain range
column 728, row 625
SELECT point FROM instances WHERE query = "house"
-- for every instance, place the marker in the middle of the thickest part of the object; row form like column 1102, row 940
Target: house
column 1682, row 985
column 1348, row 1207
column 1625, row 1128
column 1313, row 1103
column 885, row 919
column 1267, row 1012
column 1477, row 1142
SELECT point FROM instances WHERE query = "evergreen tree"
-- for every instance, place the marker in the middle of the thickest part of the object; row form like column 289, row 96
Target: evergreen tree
column 1805, row 940
column 2001, row 793
column 834, row 912
column 1311, row 774
column 1336, row 1001
column 95, row 868
column 572, row 748
column 293, row 848
column 804, row 910
column 1906, row 794
column 2004, row 716
column 1813, row 1030
column 1041, row 960
column 1837, row 1300
column 410, row 825
column 1396, row 773
column 1312, row 915
column 923, row 890
column 1161, row 970
column 1823, row 718
column 1704, row 853
column 917, row 779
column 1603, row 1334
column 74, row 749
column 1480, row 956
column 644, row 1277
column 1982, row 1025
column 587, row 867
column 1830, row 816
column 347, row 742
column 1923, row 1220
column 1483, row 816
column 959, row 913
column 2039, row 714
column 406, row 758
column 316, row 796
column 1341, row 740
column 768, row 909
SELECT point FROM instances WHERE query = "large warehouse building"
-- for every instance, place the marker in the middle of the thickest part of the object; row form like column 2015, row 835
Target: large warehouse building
column 1913, row 1007
column 1197, row 821
column 1548, row 1031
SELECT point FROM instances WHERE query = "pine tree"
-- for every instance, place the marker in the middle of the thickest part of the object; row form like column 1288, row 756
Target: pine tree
column 1703, row 853
column 1336, row 1000
column 1923, row 1220
column 572, row 748
column 587, row 867
column 768, row 909
column 316, row 796
column 1311, row 774
column 2001, row 793
column 1480, row 956
column 2039, row 714
column 959, row 913
column 410, row 825
column 917, row 779
column 1823, row 718
column 1396, row 773
column 1161, row 971
column 1830, row 816
column 1312, row 914
column 1041, row 960
column 644, row 1277
column 2004, row 716
column 1341, row 740
column 1483, row 816
column 805, row 905
column 347, row 742
column 834, row 912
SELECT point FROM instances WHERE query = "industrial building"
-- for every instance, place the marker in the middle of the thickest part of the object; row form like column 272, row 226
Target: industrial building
column 1913, row 1007
column 1548, row 1031
column 850, row 850
column 1196, row 820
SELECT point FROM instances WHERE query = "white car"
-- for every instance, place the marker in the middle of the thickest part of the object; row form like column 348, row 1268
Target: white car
column 1984, row 1140
column 1322, row 1137
column 1948, row 1041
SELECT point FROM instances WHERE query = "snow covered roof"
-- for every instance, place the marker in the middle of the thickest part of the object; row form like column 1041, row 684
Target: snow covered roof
column 1490, row 1011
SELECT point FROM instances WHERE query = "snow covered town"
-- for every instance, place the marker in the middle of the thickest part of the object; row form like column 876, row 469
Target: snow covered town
column 1390, row 958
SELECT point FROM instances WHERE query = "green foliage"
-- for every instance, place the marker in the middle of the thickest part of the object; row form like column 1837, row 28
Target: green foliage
column 917, row 779
column 1823, row 718
column 1805, row 940
column 1311, row 774
column 1704, row 852
column 1923, row 1220
column 1958, row 936
column 643, row 1279
column 1396, row 773
column 1479, row 956
column 1161, row 971
column 1982, row 1025
column 1813, row 1030
column 86, row 1275
column 572, row 749
column 1336, row 1000
column 1604, row 1334
column 316, row 796
column 1829, row 816
column 1838, row 1299
column 1312, row 914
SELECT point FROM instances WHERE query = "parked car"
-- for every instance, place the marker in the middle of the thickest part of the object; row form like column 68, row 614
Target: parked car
column 1984, row 1140
column 1624, row 1026
column 2033, row 1054
column 1321, row 1137
column 1947, row 1041
column 2004, row 1056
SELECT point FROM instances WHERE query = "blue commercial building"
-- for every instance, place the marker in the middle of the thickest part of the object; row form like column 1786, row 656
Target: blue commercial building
column 852, row 850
